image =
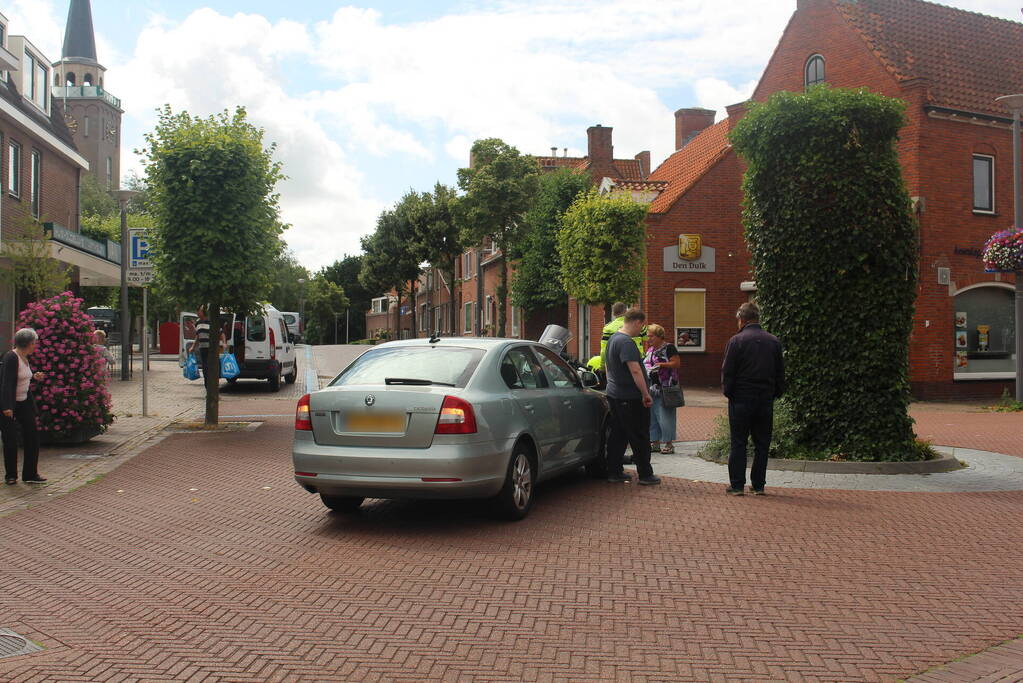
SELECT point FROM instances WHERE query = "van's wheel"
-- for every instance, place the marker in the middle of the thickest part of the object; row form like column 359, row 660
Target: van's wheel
column 290, row 379
column 275, row 381
column 516, row 496
column 346, row 504
column 598, row 466
column 233, row 381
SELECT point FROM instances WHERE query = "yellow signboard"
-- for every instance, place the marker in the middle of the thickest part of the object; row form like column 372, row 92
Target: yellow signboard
column 690, row 247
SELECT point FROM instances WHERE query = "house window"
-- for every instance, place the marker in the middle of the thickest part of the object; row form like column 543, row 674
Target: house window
column 467, row 268
column 691, row 320
column 422, row 318
column 983, row 183
column 814, row 71
column 583, row 318
column 984, row 332
column 36, row 169
column 516, row 316
column 488, row 318
column 379, row 304
column 36, row 76
column 468, row 317
column 14, row 169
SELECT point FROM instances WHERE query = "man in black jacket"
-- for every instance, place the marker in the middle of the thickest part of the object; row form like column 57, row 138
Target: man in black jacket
column 752, row 377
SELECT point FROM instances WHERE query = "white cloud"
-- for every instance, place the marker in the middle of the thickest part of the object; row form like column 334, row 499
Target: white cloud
column 714, row 93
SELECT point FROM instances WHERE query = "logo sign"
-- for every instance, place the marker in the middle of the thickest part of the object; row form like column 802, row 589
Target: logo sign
column 140, row 268
column 370, row 399
column 690, row 247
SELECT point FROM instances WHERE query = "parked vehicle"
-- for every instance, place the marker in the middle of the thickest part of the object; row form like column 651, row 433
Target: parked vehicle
column 448, row 418
column 261, row 343
column 106, row 319
column 296, row 327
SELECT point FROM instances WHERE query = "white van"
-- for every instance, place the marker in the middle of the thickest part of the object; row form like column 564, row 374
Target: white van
column 261, row 343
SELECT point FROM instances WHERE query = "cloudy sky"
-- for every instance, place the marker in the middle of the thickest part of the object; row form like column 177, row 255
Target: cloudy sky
column 367, row 100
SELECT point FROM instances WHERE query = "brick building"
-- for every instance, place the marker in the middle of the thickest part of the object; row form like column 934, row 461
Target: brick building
column 949, row 65
column 40, row 172
column 473, row 293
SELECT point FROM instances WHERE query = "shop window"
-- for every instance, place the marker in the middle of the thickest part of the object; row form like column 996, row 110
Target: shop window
column 983, row 183
column 691, row 320
column 985, row 333
column 814, row 71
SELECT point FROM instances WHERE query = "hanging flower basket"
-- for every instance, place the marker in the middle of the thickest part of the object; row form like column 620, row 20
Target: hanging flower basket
column 1003, row 253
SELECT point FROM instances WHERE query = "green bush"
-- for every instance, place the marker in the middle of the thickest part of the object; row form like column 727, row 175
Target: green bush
column 785, row 445
column 834, row 250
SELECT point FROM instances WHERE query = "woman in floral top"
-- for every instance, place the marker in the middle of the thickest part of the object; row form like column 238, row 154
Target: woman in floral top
column 662, row 363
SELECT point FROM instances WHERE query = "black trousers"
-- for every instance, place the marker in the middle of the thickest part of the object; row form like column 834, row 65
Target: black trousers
column 746, row 418
column 630, row 424
column 25, row 418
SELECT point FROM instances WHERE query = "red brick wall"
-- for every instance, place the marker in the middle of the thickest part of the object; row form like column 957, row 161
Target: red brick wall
column 58, row 190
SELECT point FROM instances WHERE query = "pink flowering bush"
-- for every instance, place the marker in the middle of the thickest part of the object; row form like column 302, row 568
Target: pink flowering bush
column 72, row 399
column 1004, row 251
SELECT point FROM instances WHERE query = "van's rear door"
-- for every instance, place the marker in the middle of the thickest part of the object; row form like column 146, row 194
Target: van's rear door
column 186, row 335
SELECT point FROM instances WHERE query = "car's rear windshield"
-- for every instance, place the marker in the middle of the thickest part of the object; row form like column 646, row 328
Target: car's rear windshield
column 256, row 326
column 452, row 365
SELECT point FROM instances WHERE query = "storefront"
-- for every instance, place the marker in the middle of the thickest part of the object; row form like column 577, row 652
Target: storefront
column 985, row 332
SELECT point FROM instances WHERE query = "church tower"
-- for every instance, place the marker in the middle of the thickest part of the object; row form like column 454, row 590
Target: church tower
column 92, row 113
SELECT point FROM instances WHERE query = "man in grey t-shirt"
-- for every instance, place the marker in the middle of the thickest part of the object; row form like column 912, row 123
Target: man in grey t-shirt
column 629, row 399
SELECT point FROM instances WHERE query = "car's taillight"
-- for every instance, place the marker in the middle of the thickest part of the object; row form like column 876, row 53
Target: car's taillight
column 273, row 346
column 456, row 417
column 303, row 421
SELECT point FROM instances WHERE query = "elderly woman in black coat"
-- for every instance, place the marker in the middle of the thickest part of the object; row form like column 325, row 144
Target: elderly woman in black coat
column 17, row 408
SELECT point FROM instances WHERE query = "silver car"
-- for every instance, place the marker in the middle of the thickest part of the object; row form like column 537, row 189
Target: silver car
column 455, row 418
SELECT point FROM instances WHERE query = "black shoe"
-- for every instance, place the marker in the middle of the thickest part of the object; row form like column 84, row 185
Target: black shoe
column 620, row 478
column 757, row 492
column 36, row 479
column 10, row 481
column 652, row 480
column 734, row 492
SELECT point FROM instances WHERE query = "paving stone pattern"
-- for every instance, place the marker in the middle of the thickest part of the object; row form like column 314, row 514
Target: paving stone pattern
column 139, row 577
column 1000, row 664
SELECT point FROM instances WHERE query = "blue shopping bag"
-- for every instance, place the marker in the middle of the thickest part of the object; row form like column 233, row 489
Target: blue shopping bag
column 191, row 368
column 229, row 366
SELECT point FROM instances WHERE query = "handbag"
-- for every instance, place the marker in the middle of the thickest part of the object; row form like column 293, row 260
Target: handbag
column 229, row 366
column 191, row 368
column 672, row 396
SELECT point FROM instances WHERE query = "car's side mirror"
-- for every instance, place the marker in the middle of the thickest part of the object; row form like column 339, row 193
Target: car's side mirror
column 588, row 379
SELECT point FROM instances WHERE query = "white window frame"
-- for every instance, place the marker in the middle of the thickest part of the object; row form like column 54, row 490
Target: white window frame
column 35, row 183
column 14, row 168
column 702, row 348
column 422, row 317
column 377, row 305
column 488, row 316
column 29, row 81
column 468, row 316
column 991, row 179
column 516, row 321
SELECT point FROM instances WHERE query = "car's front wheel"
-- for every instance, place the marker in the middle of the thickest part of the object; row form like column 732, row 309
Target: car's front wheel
column 516, row 496
column 342, row 503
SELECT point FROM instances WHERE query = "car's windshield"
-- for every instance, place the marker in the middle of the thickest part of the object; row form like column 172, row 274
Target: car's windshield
column 452, row 365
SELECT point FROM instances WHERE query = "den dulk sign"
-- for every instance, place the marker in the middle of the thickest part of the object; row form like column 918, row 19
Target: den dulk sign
column 689, row 256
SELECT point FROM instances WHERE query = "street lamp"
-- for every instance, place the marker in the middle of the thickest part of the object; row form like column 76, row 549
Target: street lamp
column 123, row 197
column 1014, row 103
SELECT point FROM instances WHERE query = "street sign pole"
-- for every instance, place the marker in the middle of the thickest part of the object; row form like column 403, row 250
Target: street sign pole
column 145, row 350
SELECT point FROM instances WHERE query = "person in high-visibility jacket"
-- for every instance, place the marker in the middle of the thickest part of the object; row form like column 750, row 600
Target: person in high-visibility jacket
column 617, row 320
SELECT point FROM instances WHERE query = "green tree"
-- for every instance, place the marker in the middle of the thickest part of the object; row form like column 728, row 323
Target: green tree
column 388, row 260
column 602, row 246
column 286, row 291
column 833, row 242
column 439, row 235
column 31, row 267
column 95, row 200
column 212, row 194
column 532, row 287
column 345, row 274
column 325, row 301
column 499, row 188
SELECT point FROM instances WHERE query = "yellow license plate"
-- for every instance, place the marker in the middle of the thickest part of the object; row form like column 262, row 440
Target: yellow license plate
column 379, row 423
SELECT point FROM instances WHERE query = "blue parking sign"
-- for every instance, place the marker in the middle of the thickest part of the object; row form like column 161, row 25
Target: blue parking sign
column 139, row 249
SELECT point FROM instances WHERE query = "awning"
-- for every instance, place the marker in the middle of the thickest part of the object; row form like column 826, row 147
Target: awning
column 93, row 270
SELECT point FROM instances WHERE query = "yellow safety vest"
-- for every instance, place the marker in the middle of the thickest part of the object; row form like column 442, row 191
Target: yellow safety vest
column 609, row 330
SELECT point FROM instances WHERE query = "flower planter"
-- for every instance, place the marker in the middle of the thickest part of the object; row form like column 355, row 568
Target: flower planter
column 73, row 437
column 1003, row 253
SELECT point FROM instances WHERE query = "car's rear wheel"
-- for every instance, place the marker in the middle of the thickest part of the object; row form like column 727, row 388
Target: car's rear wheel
column 516, row 496
column 598, row 466
column 342, row 503
column 290, row 379
column 275, row 381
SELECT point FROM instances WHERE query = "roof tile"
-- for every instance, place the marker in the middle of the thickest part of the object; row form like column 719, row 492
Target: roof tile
column 686, row 166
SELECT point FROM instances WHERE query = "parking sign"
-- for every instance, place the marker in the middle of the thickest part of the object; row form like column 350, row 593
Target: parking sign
column 140, row 268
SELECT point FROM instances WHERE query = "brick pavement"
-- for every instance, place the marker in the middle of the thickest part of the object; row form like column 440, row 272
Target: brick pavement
column 1000, row 664
column 247, row 578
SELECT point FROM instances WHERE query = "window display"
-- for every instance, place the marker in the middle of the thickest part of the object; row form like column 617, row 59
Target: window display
column 985, row 334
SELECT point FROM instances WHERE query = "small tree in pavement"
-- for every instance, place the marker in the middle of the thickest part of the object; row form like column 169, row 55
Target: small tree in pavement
column 212, row 192
column 324, row 302
column 602, row 245
column 390, row 261
column 499, row 188
column 439, row 236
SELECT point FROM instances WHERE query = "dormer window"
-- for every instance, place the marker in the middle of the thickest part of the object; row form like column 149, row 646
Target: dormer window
column 37, row 76
column 814, row 71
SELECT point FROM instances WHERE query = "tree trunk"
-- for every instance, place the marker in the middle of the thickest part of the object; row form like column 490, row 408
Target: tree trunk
column 607, row 313
column 212, row 374
column 502, row 297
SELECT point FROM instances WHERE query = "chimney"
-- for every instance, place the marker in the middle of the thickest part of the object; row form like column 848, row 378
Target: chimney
column 735, row 112
column 644, row 163
column 689, row 122
column 599, row 146
column 554, row 151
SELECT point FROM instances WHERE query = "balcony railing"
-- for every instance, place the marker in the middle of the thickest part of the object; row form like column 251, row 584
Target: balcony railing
column 93, row 91
column 108, row 250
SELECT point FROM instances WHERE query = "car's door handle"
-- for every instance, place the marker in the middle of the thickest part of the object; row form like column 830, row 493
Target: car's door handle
column 528, row 406
column 566, row 402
